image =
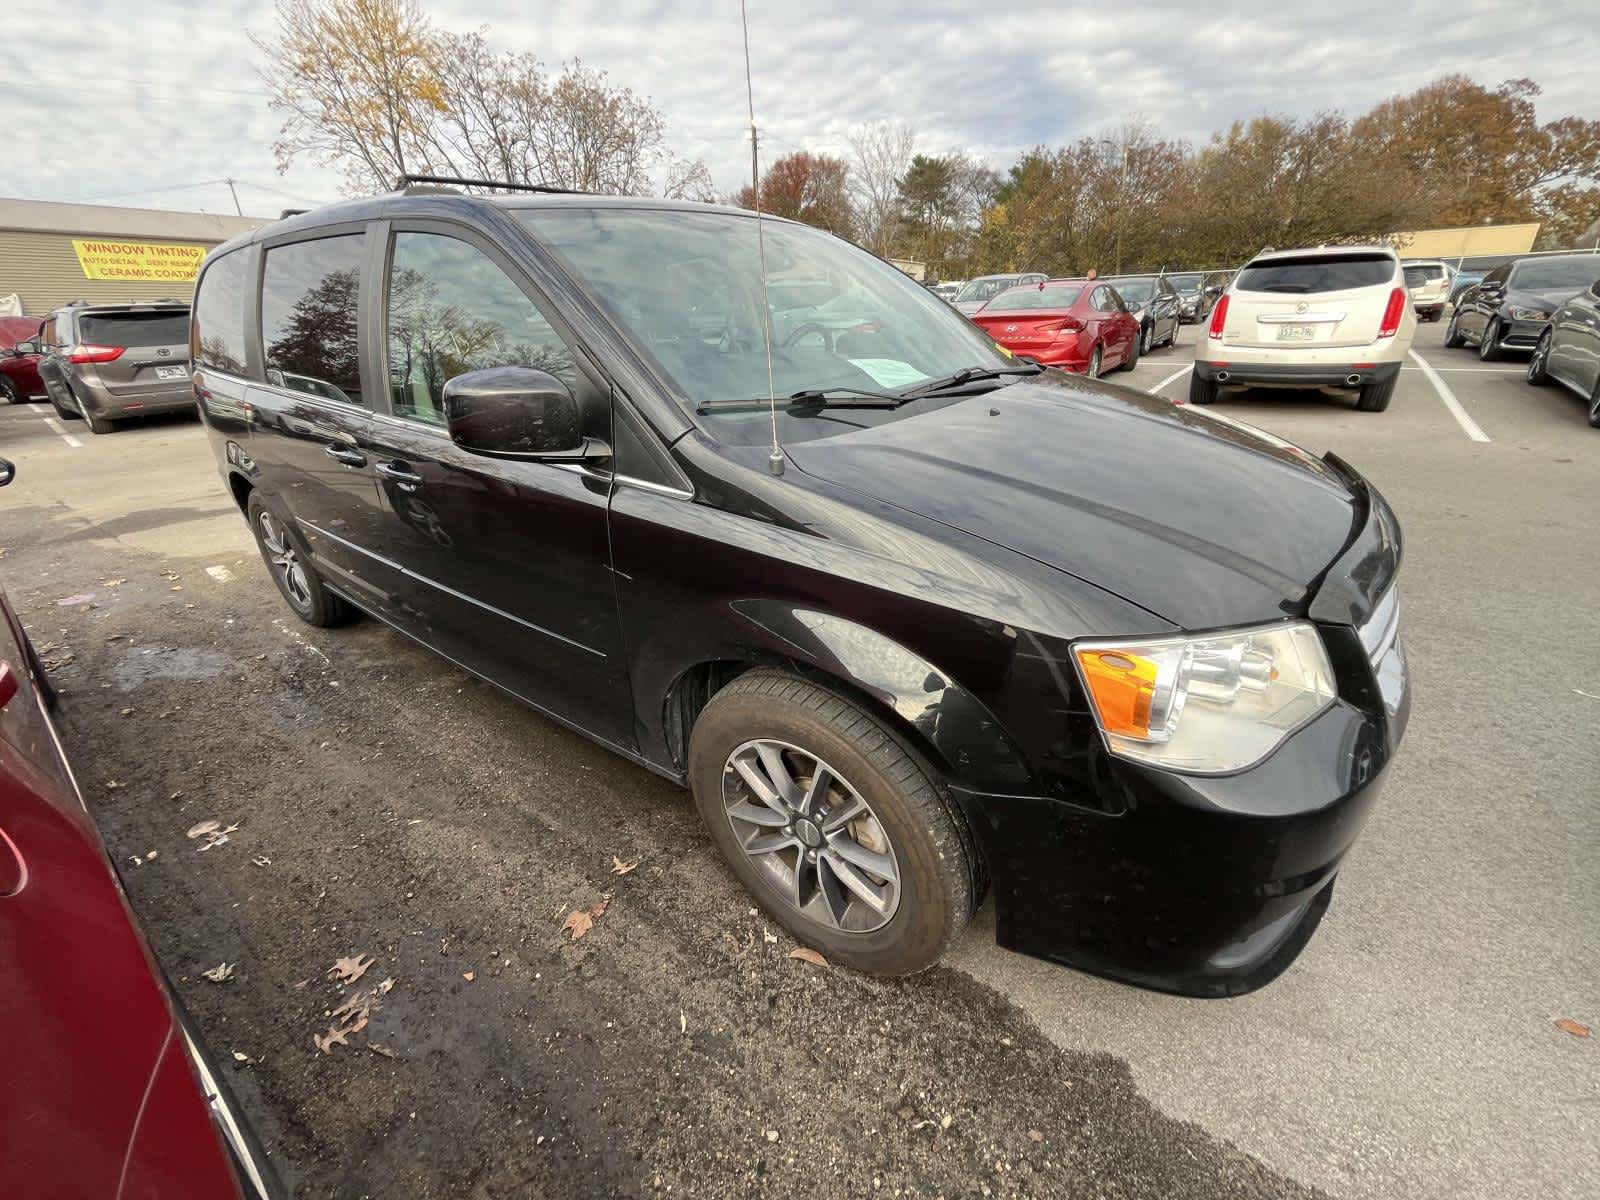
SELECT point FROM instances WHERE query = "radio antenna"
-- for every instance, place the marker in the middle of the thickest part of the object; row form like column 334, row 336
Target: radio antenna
column 775, row 459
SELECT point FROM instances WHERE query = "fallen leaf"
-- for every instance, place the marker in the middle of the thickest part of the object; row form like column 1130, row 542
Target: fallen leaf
column 348, row 970
column 70, row 601
column 240, row 1058
column 807, row 954
column 1575, row 1028
column 152, row 856
column 327, row 1041
column 772, row 1135
column 1035, row 1136
column 220, row 973
column 379, row 1048
column 618, row 867
column 114, row 582
column 202, row 829
column 127, row 712
column 469, row 976
column 683, row 1021
column 946, row 1121
column 578, row 923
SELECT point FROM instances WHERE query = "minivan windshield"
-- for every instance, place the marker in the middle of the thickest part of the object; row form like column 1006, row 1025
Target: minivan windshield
column 135, row 329
column 1554, row 274
column 686, row 288
column 1316, row 273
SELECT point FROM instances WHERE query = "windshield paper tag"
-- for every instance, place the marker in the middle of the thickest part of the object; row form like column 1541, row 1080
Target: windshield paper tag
column 889, row 372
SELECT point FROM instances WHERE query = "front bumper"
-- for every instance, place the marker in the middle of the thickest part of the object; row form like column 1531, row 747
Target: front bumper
column 1521, row 335
column 1212, row 885
column 1300, row 374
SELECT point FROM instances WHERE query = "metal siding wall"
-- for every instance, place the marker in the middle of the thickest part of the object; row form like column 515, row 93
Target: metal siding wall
column 43, row 269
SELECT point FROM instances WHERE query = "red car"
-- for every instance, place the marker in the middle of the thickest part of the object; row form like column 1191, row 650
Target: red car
column 19, row 373
column 106, row 1093
column 1080, row 325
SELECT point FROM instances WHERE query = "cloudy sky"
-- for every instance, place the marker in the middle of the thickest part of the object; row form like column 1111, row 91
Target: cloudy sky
column 133, row 101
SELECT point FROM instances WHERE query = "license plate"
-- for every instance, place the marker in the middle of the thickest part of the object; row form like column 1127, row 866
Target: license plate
column 172, row 372
column 1296, row 333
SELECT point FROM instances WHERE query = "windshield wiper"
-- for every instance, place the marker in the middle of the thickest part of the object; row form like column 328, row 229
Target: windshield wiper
column 814, row 398
column 969, row 375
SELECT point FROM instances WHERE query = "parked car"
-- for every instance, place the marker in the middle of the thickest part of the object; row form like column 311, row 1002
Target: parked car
column 932, row 616
column 1460, row 282
column 1155, row 304
column 1193, row 301
column 1568, row 351
column 1333, row 317
column 106, row 362
column 1428, row 281
column 1509, row 309
column 19, row 359
column 107, row 1091
column 978, row 292
column 1075, row 324
column 945, row 291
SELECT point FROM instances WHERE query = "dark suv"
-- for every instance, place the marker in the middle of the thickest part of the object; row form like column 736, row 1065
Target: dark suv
column 932, row 620
column 104, row 362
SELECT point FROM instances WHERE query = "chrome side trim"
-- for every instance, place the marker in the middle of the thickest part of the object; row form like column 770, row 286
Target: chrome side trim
column 1305, row 318
column 223, row 1113
column 450, row 591
column 660, row 489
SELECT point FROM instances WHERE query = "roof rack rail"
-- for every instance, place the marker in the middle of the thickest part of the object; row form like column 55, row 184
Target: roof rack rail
column 292, row 212
column 403, row 183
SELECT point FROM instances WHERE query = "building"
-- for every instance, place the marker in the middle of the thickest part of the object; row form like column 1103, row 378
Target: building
column 1467, row 242
column 52, row 254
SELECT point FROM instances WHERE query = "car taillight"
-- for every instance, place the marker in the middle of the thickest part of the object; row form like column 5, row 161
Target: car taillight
column 1067, row 325
column 1219, row 318
column 1392, row 313
column 94, row 354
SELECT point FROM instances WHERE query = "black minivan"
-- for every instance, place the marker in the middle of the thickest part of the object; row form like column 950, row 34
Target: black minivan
column 933, row 622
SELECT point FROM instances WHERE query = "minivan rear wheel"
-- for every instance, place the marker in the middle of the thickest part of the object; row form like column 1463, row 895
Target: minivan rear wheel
column 95, row 424
column 838, row 827
column 290, row 566
column 1375, row 397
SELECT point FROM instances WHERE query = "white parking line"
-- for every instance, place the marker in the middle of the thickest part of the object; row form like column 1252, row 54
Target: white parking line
column 1176, row 375
column 65, row 436
column 1450, row 401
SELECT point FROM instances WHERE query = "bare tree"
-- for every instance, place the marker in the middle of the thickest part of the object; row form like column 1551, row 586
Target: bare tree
column 880, row 153
column 358, row 84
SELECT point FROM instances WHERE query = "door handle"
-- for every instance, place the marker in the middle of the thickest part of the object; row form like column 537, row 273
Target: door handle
column 408, row 480
column 347, row 455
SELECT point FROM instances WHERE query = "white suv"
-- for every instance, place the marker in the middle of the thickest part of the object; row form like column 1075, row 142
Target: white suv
column 1332, row 317
column 1429, row 281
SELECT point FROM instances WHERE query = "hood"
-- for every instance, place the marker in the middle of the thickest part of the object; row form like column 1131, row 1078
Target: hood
column 1201, row 520
column 969, row 306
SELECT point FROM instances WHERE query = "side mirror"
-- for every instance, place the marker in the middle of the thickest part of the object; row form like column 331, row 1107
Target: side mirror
column 8, row 472
column 28, row 347
column 517, row 412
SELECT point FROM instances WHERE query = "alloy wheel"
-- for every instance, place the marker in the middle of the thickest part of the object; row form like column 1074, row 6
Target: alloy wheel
column 1147, row 340
column 1094, row 364
column 1541, row 357
column 811, row 835
column 285, row 561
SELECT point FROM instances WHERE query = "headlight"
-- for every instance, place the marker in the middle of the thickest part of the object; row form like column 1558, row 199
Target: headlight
column 1529, row 314
column 1207, row 705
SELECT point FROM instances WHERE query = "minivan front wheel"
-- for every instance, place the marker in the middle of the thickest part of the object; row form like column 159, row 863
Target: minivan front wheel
column 291, row 570
column 839, row 828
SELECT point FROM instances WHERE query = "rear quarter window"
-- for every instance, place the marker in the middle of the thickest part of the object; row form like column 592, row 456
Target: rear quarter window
column 1316, row 273
column 219, row 315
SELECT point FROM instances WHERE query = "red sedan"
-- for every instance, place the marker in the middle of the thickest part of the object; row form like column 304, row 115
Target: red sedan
column 106, row 1094
column 19, row 373
column 1080, row 325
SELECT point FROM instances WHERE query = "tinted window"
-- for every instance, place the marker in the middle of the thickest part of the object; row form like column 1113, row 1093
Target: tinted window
column 1425, row 271
column 219, row 315
column 1033, row 296
column 1135, row 291
column 1414, row 277
column 1185, row 283
column 451, row 310
column 308, row 317
column 1554, row 274
column 134, row 329
column 985, row 289
column 1317, row 273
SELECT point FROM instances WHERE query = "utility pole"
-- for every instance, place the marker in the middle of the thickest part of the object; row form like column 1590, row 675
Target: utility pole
column 755, row 168
column 1122, row 193
column 231, row 188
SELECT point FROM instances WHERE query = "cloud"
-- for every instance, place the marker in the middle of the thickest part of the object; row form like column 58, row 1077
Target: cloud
column 116, row 101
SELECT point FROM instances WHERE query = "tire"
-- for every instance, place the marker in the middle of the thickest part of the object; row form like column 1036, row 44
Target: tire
column 1147, row 339
column 62, row 411
column 1594, row 406
column 290, row 567
column 97, row 424
column 1134, row 351
column 1489, row 344
column 8, row 391
column 1375, row 397
column 1538, row 375
column 1093, row 369
column 1452, row 336
column 1202, row 391
column 906, row 810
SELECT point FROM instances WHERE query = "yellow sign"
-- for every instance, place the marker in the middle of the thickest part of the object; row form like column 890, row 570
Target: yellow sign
column 137, row 260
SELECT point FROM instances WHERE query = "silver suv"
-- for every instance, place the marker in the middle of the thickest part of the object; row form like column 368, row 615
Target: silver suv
column 103, row 362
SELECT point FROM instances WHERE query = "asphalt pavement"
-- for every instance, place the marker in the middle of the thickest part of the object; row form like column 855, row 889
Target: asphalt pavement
column 403, row 809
